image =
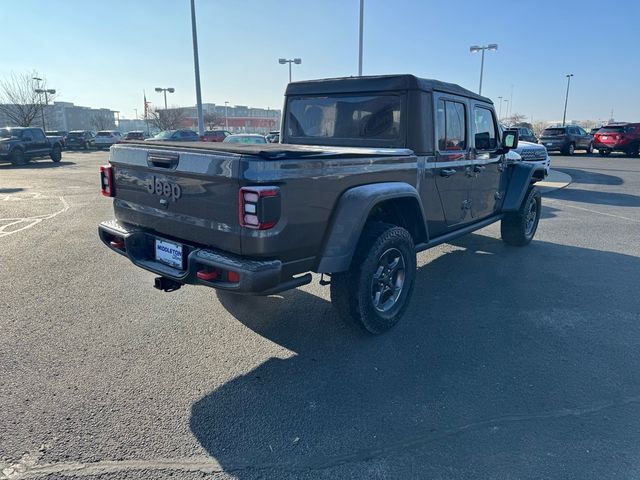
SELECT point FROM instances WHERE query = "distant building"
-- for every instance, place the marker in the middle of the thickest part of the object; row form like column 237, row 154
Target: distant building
column 237, row 118
column 67, row 116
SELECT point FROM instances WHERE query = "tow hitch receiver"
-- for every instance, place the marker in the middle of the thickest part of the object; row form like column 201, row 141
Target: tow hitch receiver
column 166, row 284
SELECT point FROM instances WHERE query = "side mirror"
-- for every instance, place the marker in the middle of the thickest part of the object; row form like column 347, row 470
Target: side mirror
column 509, row 140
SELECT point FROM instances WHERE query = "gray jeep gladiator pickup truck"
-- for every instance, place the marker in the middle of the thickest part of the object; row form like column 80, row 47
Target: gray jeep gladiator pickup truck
column 369, row 171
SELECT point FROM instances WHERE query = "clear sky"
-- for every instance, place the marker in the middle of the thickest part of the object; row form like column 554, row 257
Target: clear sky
column 105, row 53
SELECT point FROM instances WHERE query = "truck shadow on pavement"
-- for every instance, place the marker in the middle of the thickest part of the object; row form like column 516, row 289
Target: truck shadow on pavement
column 590, row 177
column 34, row 164
column 509, row 362
column 597, row 198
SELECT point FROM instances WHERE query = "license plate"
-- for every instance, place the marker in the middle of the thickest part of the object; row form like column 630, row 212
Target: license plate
column 550, row 143
column 169, row 253
column 604, row 137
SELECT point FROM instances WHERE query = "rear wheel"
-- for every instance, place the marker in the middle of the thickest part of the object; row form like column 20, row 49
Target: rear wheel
column 518, row 228
column 18, row 158
column 570, row 149
column 86, row 145
column 375, row 292
column 634, row 151
column 590, row 149
column 56, row 153
column 604, row 152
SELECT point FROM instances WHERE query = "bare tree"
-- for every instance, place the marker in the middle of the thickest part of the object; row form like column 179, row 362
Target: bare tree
column 212, row 120
column 19, row 101
column 538, row 127
column 169, row 119
column 515, row 118
column 102, row 120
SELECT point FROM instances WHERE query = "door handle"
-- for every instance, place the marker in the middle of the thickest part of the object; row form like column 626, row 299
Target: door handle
column 447, row 172
column 479, row 168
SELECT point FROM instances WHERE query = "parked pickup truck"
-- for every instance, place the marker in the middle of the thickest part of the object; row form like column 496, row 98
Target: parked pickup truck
column 370, row 171
column 21, row 144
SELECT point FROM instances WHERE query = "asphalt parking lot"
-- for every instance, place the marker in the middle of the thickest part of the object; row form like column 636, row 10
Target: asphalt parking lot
column 510, row 363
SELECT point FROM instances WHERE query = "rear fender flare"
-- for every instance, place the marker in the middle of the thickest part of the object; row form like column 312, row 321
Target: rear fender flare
column 351, row 214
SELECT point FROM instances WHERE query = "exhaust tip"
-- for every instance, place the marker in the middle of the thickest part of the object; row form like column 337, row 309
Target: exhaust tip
column 166, row 284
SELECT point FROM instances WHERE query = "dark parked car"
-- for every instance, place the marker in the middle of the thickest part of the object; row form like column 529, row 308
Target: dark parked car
column 135, row 135
column 566, row 139
column 215, row 135
column 175, row 136
column 370, row 170
column 525, row 134
column 21, row 144
column 273, row 137
column 618, row 137
column 80, row 139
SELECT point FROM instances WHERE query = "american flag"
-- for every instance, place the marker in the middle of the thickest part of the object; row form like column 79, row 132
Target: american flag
column 146, row 104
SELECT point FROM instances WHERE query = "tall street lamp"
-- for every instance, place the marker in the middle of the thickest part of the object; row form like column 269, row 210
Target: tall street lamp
column 566, row 99
column 46, row 92
column 506, row 108
column 474, row 49
column 226, row 118
column 360, row 38
column 165, row 90
column 500, row 115
column 297, row 61
column 196, row 68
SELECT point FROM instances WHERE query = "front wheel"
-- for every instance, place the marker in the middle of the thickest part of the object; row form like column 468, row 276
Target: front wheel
column 56, row 153
column 375, row 292
column 518, row 228
column 18, row 158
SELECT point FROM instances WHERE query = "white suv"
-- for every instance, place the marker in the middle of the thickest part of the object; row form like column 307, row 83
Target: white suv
column 106, row 138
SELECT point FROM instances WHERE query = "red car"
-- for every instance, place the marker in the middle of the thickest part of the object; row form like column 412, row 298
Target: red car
column 618, row 137
column 214, row 135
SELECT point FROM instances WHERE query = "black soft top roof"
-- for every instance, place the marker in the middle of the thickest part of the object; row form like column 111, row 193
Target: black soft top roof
column 378, row 83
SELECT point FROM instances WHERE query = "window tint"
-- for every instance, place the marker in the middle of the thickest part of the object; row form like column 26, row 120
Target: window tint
column 38, row 135
column 484, row 129
column 451, row 125
column 363, row 118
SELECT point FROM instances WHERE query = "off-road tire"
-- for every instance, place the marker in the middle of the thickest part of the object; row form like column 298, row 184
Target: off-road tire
column 518, row 228
column 353, row 292
column 56, row 153
column 18, row 157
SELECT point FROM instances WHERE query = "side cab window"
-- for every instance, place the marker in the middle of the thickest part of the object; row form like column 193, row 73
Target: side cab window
column 484, row 129
column 451, row 125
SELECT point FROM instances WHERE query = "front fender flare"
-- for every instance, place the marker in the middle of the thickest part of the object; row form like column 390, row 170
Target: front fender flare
column 351, row 214
column 519, row 183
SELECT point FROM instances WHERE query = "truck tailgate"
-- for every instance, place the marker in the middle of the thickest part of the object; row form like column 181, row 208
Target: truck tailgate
column 184, row 194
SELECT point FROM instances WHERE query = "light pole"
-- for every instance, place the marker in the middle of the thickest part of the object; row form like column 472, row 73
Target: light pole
column 566, row 99
column 196, row 68
column 165, row 90
column 297, row 61
column 226, row 118
column 474, row 49
column 46, row 92
column 360, row 38
column 500, row 115
column 506, row 109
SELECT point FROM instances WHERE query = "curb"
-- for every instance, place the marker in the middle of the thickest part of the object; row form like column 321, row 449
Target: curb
column 554, row 181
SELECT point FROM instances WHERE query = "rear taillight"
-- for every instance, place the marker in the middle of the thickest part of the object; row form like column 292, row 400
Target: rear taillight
column 107, row 185
column 259, row 207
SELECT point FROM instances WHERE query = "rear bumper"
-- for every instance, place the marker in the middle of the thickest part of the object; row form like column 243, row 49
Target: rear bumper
column 256, row 277
column 556, row 146
column 611, row 146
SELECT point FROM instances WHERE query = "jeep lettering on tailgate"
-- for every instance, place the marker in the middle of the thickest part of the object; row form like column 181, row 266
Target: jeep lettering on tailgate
column 164, row 188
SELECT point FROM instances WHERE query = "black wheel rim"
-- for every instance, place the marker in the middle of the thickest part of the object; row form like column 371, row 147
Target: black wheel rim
column 388, row 280
column 531, row 217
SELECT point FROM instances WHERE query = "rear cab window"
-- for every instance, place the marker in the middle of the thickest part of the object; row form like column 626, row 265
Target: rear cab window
column 375, row 120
